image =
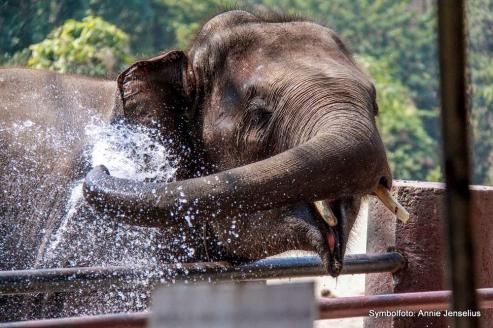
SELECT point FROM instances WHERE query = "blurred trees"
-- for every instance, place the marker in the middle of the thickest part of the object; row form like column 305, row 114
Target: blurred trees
column 480, row 23
column 90, row 47
column 410, row 150
column 184, row 17
column 395, row 41
column 25, row 22
column 152, row 25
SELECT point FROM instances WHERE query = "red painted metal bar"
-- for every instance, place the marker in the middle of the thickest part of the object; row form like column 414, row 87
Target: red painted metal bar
column 120, row 320
column 329, row 308
column 359, row 306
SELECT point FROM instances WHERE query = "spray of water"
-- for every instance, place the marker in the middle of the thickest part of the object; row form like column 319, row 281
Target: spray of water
column 128, row 152
column 131, row 152
column 84, row 237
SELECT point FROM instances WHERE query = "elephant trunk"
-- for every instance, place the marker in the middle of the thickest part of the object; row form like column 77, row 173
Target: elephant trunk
column 343, row 157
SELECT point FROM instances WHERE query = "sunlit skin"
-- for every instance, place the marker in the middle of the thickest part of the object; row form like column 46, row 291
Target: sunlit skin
column 279, row 115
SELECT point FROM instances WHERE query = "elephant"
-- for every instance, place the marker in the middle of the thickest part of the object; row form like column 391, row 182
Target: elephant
column 271, row 124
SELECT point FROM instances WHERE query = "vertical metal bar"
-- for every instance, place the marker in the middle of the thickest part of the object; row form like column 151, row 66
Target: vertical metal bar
column 456, row 157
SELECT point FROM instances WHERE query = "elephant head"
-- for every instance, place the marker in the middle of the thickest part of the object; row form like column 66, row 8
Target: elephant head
column 280, row 123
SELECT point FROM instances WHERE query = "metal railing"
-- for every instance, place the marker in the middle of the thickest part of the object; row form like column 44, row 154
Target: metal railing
column 328, row 308
column 70, row 279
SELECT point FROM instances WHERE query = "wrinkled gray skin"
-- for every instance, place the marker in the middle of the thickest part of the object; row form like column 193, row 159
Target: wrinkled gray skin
column 275, row 113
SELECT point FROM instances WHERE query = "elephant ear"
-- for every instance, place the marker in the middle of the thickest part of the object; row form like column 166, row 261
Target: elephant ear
column 156, row 91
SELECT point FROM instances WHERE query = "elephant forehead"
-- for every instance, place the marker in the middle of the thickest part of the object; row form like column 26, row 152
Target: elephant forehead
column 265, row 41
column 274, row 58
column 299, row 73
column 275, row 51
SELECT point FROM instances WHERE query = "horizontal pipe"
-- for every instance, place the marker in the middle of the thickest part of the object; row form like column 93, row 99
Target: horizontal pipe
column 71, row 279
column 329, row 308
column 119, row 320
column 359, row 306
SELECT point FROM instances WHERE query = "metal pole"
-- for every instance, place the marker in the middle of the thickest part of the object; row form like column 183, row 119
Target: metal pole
column 329, row 308
column 119, row 320
column 456, row 157
column 359, row 306
column 70, row 279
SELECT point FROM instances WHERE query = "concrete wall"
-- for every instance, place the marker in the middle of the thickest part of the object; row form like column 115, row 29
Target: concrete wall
column 422, row 242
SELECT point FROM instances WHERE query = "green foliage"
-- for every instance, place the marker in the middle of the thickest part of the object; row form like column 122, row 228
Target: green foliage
column 24, row 22
column 411, row 151
column 137, row 18
column 18, row 59
column 480, row 13
column 156, row 25
column 152, row 25
column 91, row 47
column 186, row 16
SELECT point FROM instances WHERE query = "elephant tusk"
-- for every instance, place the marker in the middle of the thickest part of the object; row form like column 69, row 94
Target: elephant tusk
column 391, row 203
column 326, row 213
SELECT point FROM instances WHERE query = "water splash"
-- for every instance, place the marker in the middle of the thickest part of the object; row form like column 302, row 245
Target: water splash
column 86, row 238
column 132, row 152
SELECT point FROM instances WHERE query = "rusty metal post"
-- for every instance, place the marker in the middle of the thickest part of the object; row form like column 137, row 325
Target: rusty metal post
column 452, row 51
column 118, row 320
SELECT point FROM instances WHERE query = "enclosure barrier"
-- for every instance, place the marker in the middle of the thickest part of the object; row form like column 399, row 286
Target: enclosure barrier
column 328, row 308
column 359, row 306
column 127, row 320
column 70, row 279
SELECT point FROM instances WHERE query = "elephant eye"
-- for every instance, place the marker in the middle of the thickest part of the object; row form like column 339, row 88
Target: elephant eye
column 259, row 111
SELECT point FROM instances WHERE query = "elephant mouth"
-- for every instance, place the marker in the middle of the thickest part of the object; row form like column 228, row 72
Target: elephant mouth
column 333, row 235
column 335, row 217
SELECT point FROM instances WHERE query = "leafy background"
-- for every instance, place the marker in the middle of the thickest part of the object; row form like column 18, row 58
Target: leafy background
column 395, row 41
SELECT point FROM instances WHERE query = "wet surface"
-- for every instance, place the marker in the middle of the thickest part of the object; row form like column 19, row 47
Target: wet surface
column 73, row 234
